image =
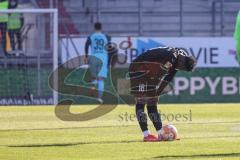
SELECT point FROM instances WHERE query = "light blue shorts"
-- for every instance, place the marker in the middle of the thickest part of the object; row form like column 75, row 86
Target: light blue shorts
column 98, row 65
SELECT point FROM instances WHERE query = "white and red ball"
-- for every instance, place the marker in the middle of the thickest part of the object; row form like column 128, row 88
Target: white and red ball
column 169, row 133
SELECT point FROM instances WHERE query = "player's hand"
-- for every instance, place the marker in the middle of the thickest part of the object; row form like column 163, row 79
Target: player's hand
column 86, row 60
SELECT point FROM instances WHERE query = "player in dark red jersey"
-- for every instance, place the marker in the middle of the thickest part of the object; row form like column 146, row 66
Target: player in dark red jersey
column 150, row 74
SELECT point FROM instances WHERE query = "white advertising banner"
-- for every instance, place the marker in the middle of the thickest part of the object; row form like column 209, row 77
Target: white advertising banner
column 209, row 51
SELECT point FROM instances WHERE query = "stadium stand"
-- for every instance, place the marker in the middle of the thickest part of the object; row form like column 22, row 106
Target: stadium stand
column 65, row 25
column 158, row 17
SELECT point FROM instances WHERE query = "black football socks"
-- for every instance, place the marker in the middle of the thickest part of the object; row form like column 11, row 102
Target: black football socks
column 141, row 117
column 154, row 117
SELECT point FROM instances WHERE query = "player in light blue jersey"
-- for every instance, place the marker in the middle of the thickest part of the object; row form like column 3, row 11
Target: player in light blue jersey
column 99, row 58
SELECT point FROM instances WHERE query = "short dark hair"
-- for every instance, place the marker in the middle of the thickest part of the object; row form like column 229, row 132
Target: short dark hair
column 98, row 26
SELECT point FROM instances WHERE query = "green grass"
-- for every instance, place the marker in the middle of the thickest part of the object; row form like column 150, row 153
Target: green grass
column 34, row 133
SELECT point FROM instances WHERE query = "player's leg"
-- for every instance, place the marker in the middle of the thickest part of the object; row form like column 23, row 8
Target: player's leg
column 142, row 120
column 3, row 29
column 93, row 67
column 19, row 39
column 154, row 117
column 102, row 75
column 154, row 114
column 100, row 87
column 12, row 38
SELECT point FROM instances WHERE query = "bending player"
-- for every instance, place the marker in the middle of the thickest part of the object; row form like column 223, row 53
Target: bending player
column 98, row 61
column 150, row 74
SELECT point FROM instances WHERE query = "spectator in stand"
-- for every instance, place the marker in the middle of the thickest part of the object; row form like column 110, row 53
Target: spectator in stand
column 3, row 25
column 237, row 36
column 15, row 23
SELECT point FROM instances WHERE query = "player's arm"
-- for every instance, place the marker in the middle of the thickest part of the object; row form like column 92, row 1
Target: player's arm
column 162, row 89
column 108, row 38
column 21, row 20
column 170, row 76
column 87, row 44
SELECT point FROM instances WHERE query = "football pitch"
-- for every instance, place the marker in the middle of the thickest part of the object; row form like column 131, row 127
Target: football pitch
column 207, row 131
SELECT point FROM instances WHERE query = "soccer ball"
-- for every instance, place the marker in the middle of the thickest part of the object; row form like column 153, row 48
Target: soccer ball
column 169, row 133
